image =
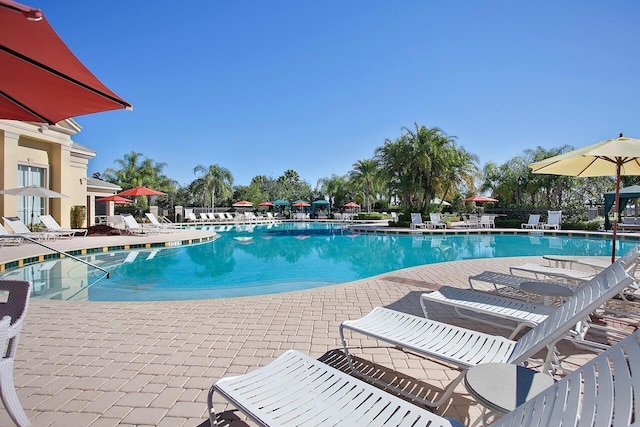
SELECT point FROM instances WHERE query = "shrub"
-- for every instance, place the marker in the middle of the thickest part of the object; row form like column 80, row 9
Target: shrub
column 370, row 216
column 78, row 216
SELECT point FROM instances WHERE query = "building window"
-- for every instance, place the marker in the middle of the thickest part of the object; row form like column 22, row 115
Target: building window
column 30, row 208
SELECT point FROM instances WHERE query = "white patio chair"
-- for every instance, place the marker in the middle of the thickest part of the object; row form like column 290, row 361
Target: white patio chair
column 436, row 221
column 416, row 220
column 465, row 348
column 297, row 390
column 505, row 280
column 52, row 226
column 569, row 274
column 533, row 223
column 13, row 313
column 495, row 309
column 470, row 303
column 132, row 226
column 487, row 221
column 19, row 228
column 554, row 218
column 156, row 224
column 8, row 238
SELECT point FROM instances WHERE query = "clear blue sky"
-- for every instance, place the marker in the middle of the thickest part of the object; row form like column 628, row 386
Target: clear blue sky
column 260, row 87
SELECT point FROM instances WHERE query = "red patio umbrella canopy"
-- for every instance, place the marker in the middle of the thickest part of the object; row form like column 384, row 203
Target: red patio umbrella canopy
column 301, row 204
column 351, row 205
column 266, row 204
column 41, row 80
column 140, row 191
column 480, row 199
column 243, row 204
column 116, row 199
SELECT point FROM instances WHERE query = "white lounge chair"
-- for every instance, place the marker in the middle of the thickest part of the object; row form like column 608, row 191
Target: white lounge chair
column 191, row 217
column 465, row 348
column 416, row 220
column 132, row 226
column 12, row 313
column 156, row 224
column 52, row 225
column 436, row 221
column 19, row 228
column 297, row 390
column 487, row 221
column 469, row 303
column 569, row 274
column 8, row 238
column 554, row 218
column 534, row 222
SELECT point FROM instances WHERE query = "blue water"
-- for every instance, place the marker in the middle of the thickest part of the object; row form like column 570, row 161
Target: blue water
column 265, row 259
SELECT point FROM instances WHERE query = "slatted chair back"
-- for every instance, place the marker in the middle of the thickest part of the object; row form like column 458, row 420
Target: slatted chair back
column 586, row 299
column 416, row 218
column 434, row 217
column 603, row 392
column 15, row 307
column 554, row 218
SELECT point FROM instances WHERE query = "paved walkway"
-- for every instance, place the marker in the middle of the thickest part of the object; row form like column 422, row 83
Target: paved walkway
column 151, row 364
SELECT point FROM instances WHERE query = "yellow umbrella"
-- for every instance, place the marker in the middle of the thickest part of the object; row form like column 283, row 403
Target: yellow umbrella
column 613, row 157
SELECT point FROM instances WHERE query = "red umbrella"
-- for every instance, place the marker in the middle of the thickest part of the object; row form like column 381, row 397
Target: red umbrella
column 301, row 205
column 140, row 191
column 480, row 199
column 243, row 204
column 41, row 80
column 351, row 205
column 266, row 204
column 116, row 199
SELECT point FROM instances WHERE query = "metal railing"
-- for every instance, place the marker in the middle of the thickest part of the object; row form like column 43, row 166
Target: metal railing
column 66, row 254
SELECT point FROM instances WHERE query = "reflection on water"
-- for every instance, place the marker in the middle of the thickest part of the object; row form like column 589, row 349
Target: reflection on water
column 260, row 259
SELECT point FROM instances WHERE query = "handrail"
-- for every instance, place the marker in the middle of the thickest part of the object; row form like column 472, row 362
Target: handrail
column 37, row 242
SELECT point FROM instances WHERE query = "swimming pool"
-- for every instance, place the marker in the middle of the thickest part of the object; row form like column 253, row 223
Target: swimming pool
column 278, row 257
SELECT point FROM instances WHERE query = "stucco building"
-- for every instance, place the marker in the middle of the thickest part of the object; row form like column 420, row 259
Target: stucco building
column 47, row 156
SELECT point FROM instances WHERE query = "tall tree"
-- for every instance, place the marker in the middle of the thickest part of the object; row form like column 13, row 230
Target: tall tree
column 135, row 170
column 335, row 188
column 365, row 175
column 216, row 178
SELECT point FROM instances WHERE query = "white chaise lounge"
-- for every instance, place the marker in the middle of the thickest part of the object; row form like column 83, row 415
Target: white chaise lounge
column 296, row 390
column 416, row 221
column 51, row 225
column 465, row 348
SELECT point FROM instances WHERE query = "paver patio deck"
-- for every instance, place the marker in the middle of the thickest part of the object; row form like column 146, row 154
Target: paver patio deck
column 151, row 364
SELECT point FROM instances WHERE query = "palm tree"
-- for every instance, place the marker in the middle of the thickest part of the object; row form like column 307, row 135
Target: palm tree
column 136, row 170
column 394, row 158
column 365, row 175
column 334, row 187
column 216, row 177
column 460, row 171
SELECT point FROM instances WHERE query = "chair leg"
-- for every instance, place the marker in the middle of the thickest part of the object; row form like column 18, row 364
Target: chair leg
column 9, row 395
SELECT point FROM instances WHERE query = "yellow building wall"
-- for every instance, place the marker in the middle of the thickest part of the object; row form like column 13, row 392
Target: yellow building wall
column 50, row 148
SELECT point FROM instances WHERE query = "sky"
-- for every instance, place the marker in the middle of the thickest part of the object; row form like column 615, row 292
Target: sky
column 260, row 87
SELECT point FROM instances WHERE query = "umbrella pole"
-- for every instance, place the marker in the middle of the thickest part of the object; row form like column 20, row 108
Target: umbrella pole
column 616, row 211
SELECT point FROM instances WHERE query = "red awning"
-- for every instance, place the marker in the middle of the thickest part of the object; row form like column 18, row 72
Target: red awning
column 480, row 199
column 41, row 80
column 115, row 199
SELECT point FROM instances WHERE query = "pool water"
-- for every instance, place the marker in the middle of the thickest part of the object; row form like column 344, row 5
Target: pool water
column 281, row 257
